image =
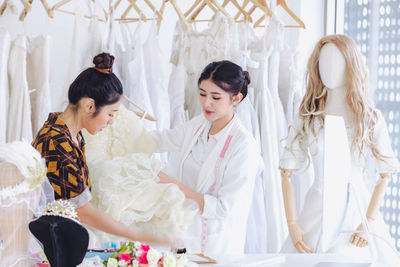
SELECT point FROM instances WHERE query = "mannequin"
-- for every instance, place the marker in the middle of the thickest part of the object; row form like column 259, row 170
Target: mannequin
column 337, row 84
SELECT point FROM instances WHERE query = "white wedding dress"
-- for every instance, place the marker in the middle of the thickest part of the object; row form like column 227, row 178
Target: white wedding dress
column 310, row 219
column 38, row 76
column 4, row 92
column 124, row 181
column 19, row 126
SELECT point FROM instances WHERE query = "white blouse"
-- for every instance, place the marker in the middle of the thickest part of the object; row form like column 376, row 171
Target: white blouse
column 199, row 153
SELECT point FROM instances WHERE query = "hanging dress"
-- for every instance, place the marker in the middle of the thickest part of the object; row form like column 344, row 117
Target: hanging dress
column 156, row 78
column 359, row 195
column 38, row 76
column 19, row 125
column 4, row 90
column 274, row 39
column 265, row 108
column 177, row 80
column 87, row 42
column 133, row 71
column 200, row 49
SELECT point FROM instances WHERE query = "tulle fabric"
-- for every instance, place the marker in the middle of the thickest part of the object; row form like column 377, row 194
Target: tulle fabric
column 24, row 190
column 124, row 181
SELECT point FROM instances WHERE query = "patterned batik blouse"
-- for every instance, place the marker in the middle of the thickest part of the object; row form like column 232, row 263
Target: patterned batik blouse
column 67, row 170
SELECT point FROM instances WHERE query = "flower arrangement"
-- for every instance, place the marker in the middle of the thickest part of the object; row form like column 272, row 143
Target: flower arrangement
column 136, row 254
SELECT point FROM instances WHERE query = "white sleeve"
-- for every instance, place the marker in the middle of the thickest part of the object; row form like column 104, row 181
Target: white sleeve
column 236, row 189
column 388, row 163
column 169, row 140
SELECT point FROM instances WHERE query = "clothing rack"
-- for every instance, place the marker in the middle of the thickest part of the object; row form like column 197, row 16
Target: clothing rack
column 243, row 11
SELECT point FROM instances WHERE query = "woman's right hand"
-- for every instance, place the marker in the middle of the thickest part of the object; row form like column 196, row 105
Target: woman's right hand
column 297, row 236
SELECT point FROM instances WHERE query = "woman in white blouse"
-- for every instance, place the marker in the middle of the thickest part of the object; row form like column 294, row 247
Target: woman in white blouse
column 217, row 162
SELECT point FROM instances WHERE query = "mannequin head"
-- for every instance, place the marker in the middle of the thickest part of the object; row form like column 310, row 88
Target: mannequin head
column 332, row 66
column 336, row 61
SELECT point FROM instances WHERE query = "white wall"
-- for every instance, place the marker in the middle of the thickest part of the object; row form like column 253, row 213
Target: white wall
column 61, row 29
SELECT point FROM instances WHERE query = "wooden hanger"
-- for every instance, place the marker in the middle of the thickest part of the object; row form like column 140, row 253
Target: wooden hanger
column 143, row 111
column 162, row 8
column 181, row 16
column 132, row 4
column 3, row 7
column 301, row 24
column 241, row 10
column 258, row 22
column 283, row 4
column 49, row 11
column 220, row 9
column 195, row 4
column 60, row 4
column 201, row 7
column 27, row 7
column 213, row 5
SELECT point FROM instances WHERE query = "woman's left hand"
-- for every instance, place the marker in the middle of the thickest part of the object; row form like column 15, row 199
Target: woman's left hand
column 359, row 239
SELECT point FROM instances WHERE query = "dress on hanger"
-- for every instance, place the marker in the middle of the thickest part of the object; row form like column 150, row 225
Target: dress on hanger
column 124, row 181
column 310, row 218
column 133, row 72
column 274, row 39
column 265, row 108
column 200, row 49
column 87, row 42
column 156, row 78
column 78, row 52
column 176, row 91
column 38, row 76
column 19, row 125
column 4, row 90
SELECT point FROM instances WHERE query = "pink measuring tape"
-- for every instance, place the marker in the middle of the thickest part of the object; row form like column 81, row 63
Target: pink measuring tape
column 216, row 173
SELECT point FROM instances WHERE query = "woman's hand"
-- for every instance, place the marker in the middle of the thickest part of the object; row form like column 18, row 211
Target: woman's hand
column 359, row 239
column 189, row 192
column 297, row 236
column 164, row 178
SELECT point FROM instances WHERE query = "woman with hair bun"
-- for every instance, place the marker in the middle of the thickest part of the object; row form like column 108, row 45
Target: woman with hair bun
column 218, row 162
column 94, row 97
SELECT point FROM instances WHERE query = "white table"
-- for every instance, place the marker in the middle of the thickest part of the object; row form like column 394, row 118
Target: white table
column 290, row 260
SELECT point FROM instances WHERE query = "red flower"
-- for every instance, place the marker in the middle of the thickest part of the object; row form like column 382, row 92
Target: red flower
column 125, row 256
column 143, row 258
column 145, row 248
column 160, row 262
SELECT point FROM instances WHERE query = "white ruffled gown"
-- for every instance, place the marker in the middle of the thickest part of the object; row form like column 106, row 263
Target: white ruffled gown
column 124, row 181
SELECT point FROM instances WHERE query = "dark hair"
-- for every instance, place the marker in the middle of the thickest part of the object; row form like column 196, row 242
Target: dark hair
column 98, row 83
column 228, row 76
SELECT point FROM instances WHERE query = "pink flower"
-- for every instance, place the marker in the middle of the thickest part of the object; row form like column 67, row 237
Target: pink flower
column 125, row 256
column 143, row 258
column 145, row 248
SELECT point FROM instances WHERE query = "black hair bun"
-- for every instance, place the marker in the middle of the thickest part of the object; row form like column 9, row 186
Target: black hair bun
column 247, row 76
column 103, row 61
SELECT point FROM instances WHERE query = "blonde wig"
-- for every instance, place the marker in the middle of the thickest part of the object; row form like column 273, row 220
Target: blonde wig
column 358, row 96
